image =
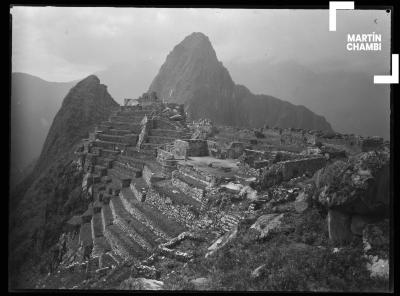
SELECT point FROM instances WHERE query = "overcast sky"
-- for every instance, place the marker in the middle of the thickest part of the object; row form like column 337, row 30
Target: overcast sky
column 63, row 43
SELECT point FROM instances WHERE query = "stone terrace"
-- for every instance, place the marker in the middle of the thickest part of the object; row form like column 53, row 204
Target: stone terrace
column 119, row 159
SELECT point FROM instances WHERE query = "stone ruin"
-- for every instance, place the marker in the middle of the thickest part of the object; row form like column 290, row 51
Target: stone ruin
column 153, row 177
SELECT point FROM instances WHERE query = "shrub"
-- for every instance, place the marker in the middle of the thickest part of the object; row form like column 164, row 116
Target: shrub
column 311, row 228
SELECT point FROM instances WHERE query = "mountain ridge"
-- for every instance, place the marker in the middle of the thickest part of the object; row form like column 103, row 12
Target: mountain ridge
column 347, row 99
column 49, row 195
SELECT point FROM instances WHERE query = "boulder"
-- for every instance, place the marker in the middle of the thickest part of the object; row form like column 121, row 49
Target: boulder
column 339, row 227
column 222, row 241
column 358, row 186
column 326, row 175
column 302, row 202
column 249, row 193
column 141, row 284
column 267, row 225
column 232, row 187
column 257, row 272
column 176, row 117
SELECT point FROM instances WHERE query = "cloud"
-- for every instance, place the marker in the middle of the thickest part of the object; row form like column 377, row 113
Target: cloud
column 65, row 43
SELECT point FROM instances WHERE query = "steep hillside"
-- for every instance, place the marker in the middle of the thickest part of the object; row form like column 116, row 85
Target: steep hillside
column 52, row 192
column 86, row 104
column 347, row 99
column 34, row 103
column 193, row 75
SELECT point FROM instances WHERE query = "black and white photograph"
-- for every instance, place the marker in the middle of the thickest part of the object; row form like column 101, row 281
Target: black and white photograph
column 201, row 148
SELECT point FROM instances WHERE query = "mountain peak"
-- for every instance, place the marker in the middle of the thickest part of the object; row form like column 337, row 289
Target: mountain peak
column 197, row 36
column 87, row 103
column 193, row 75
column 90, row 80
column 195, row 45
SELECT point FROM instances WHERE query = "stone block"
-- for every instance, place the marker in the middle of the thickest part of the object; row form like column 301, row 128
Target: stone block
column 267, row 225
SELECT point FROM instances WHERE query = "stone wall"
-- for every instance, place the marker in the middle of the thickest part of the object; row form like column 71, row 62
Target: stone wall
column 311, row 139
column 163, row 123
column 214, row 148
column 202, row 176
column 274, row 132
column 194, row 192
column 178, row 212
column 150, row 174
column 294, row 168
column 252, row 157
column 286, row 170
column 149, row 99
column 167, row 161
column 297, row 137
column 190, row 148
column 278, row 156
column 235, row 150
column 372, row 143
column 216, row 220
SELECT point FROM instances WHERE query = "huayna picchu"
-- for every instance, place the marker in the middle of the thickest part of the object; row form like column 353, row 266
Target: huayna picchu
column 172, row 201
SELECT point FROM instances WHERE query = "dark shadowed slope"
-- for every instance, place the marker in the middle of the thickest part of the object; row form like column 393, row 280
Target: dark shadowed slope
column 52, row 192
column 193, row 75
column 34, row 103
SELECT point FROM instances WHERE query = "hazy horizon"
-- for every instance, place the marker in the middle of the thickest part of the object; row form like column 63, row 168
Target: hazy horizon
column 67, row 43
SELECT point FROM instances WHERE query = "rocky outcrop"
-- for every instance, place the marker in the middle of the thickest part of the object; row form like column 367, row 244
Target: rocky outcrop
column 85, row 105
column 267, row 224
column 358, row 186
column 303, row 200
column 193, row 75
column 356, row 192
column 222, row 241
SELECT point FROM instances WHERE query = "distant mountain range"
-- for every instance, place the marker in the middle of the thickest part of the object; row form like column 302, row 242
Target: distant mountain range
column 34, row 103
column 347, row 99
